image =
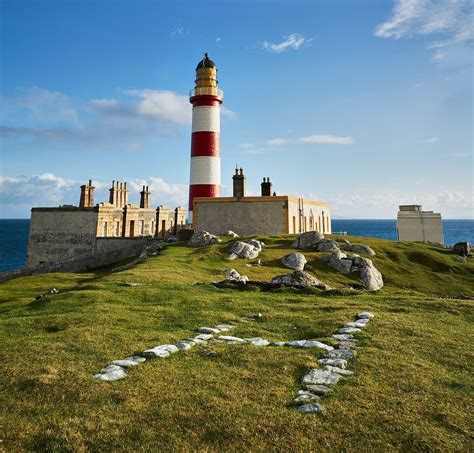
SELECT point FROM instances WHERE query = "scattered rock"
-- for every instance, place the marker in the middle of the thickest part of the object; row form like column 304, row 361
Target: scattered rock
column 259, row 245
column 370, row 276
column 462, row 248
column 171, row 348
column 111, row 373
column 232, row 257
column 362, row 320
column 307, row 240
column 134, row 284
column 232, row 339
column 347, row 345
column 243, row 250
column 339, row 261
column 357, row 325
column 203, row 239
column 210, row 330
column 341, row 363
column 155, row 353
column 348, row 330
column 360, row 249
column 257, row 341
column 319, row 389
column 343, row 336
column 299, row 279
column 257, row 316
column 341, row 354
column 225, row 327
column 326, row 245
column 184, row 345
column 279, row 343
column 343, row 241
column 334, row 369
column 312, row 407
column 203, row 337
column 305, row 397
column 129, row 362
column 197, row 340
column 320, row 377
column 231, row 233
column 365, row 315
column 295, row 261
column 233, row 275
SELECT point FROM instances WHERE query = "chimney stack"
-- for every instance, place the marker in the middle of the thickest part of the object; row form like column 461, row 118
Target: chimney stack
column 87, row 195
column 266, row 187
column 145, row 198
column 239, row 181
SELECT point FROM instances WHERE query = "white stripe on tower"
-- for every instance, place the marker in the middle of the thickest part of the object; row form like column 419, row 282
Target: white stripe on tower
column 206, row 118
column 205, row 170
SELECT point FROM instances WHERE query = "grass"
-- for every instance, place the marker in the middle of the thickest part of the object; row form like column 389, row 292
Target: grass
column 411, row 390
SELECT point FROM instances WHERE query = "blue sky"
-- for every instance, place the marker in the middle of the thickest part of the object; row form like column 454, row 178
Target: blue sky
column 364, row 104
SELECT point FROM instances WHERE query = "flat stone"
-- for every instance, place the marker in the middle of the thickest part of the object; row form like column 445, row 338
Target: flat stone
column 335, row 369
column 316, row 344
column 154, row 353
column 203, row 336
column 296, row 343
column 215, row 341
column 129, row 362
column 171, row 348
column 341, row 354
column 184, row 345
column 231, row 338
column 348, row 330
column 365, row 314
column 279, row 343
column 111, row 373
column 318, row 389
column 196, row 340
column 208, row 330
column 257, row 341
column 343, row 336
column 312, row 407
column 357, row 325
column 362, row 320
column 347, row 345
column 321, row 377
column 225, row 327
column 341, row 363
column 304, row 397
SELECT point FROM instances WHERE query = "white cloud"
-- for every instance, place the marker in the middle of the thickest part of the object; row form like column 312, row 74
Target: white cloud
column 438, row 56
column 227, row 112
column 327, row 139
column 293, row 41
column 430, row 140
column 162, row 192
column 277, row 141
column 451, row 21
column 177, row 31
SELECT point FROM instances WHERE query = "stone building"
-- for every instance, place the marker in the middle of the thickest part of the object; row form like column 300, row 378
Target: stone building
column 266, row 214
column 414, row 224
column 69, row 232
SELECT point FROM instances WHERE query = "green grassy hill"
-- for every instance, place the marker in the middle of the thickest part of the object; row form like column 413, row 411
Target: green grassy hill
column 411, row 389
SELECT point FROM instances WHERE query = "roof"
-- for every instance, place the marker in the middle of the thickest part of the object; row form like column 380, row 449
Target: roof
column 206, row 62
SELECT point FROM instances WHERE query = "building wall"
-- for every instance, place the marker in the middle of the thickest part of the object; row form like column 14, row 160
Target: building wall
column 314, row 216
column 58, row 234
column 420, row 226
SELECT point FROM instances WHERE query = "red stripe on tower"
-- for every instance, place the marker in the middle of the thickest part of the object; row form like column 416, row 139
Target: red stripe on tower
column 206, row 98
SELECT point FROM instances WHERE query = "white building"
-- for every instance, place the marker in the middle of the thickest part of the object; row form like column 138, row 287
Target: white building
column 413, row 224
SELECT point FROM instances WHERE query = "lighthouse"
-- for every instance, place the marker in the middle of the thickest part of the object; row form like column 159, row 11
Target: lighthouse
column 206, row 99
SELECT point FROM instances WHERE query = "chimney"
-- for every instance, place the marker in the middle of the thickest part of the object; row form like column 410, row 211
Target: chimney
column 145, row 198
column 112, row 196
column 266, row 187
column 239, row 181
column 87, row 196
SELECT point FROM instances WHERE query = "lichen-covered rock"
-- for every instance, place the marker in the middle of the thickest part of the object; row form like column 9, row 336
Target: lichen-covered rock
column 259, row 245
column 307, row 240
column 339, row 261
column 321, row 377
column 370, row 276
column 312, row 407
column 360, row 249
column 233, row 275
column 295, row 261
column 341, row 363
column 327, row 245
column 319, row 389
column 341, row 354
column 305, row 397
column 300, row 279
column 243, row 250
column 335, row 369
column 203, row 239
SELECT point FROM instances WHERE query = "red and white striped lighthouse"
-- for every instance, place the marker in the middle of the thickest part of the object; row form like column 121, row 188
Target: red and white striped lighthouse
column 206, row 98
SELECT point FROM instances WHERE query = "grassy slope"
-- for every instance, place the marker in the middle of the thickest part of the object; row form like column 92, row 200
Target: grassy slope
column 411, row 390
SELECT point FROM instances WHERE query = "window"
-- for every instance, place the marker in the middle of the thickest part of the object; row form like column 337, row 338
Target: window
column 132, row 228
column 294, row 224
column 104, row 232
column 140, row 227
column 117, row 229
column 152, row 232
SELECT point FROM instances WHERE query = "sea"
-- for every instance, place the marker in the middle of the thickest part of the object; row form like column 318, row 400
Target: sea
column 14, row 235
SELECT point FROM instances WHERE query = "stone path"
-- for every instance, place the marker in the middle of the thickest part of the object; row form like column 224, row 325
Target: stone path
column 317, row 381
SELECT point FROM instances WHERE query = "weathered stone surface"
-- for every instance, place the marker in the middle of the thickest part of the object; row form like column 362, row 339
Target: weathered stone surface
column 362, row 320
column 338, row 261
column 295, row 261
column 341, row 363
column 129, row 362
column 370, row 276
column 321, row 377
column 300, row 279
column 233, row 275
column 462, row 248
column 360, row 249
column 307, row 240
column 348, row 330
column 210, row 330
column 203, row 239
column 171, row 348
column 343, row 241
column 327, row 245
column 316, row 344
column 230, row 233
column 312, row 407
column 257, row 341
column 365, row 315
column 347, row 345
column 184, row 345
column 357, row 325
column 111, row 373
column 296, row 343
column 334, row 369
column 155, row 353
column 197, row 340
column 225, row 327
column 279, row 343
column 259, row 245
column 343, row 336
column 203, row 337
column 305, row 397
column 319, row 389
column 243, row 250
column 232, row 339
column 341, row 354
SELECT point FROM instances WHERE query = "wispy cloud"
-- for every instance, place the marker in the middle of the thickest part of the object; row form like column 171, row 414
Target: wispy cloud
column 177, row 31
column 430, row 140
column 293, row 41
column 327, row 139
column 277, row 141
column 449, row 21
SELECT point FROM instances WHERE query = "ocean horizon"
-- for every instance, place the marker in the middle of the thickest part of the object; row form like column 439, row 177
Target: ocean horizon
column 14, row 235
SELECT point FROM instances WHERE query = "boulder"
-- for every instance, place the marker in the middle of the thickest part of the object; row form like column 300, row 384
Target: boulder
column 231, row 233
column 343, row 336
column 307, row 240
column 243, row 250
column 233, row 275
column 357, row 325
column 295, row 261
column 348, row 330
column 184, row 345
column 305, row 397
column 327, row 245
column 203, row 239
column 343, row 241
column 339, row 261
column 208, row 330
column 360, row 249
column 155, row 353
column 365, row 315
column 300, row 279
column 279, row 343
column 370, row 276
column 321, row 377
column 111, row 373
column 462, row 248
column 203, row 337
column 259, row 245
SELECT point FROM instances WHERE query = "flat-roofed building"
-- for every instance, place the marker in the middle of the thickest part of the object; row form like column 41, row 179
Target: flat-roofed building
column 414, row 224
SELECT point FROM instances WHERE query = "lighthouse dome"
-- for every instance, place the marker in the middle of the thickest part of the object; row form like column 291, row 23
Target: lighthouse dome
column 206, row 62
